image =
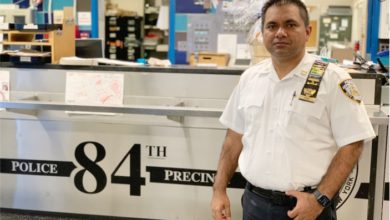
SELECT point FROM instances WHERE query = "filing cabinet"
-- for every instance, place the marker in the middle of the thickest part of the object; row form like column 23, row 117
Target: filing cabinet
column 123, row 38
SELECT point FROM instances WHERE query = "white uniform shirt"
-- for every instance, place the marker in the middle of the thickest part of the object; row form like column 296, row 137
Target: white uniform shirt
column 289, row 143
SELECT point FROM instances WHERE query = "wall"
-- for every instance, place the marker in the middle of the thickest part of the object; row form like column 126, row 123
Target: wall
column 359, row 17
column 323, row 4
column 384, row 20
column 41, row 16
column 359, row 24
column 137, row 5
column 5, row 1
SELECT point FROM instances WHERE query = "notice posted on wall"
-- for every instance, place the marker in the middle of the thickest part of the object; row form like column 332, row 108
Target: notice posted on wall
column 86, row 88
column 4, row 87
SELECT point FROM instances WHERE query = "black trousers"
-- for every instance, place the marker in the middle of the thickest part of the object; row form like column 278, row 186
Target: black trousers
column 256, row 207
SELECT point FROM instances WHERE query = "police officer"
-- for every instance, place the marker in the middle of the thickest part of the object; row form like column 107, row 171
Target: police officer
column 296, row 127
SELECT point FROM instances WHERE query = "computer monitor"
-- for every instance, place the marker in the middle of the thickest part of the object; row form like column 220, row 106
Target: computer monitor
column 89, row 48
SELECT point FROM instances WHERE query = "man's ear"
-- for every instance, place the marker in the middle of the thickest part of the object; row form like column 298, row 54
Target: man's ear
column 308, row 32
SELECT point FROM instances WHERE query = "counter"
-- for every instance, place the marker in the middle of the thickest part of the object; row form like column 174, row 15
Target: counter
column 154, row 157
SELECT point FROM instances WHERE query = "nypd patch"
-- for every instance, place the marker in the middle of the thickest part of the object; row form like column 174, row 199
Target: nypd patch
column 350, row 90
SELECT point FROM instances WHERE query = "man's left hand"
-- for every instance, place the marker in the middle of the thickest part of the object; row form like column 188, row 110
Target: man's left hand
column 307, row 207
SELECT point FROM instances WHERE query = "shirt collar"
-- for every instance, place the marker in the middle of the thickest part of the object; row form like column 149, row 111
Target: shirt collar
column 264, row 68
column 301, row 70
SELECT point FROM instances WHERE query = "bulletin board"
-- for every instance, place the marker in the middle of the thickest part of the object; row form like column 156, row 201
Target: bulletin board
column 335, row 28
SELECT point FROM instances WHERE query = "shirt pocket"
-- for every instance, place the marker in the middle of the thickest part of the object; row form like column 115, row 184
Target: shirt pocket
column 252, row 107
column 300, row 115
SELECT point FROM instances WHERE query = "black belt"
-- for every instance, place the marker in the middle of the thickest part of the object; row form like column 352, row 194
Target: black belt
column 277, row 197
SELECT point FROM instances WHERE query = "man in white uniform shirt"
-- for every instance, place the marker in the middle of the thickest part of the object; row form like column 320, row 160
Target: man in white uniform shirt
column 296, row 127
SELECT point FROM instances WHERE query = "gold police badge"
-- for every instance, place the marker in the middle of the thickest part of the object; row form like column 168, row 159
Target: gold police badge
column 350, row 90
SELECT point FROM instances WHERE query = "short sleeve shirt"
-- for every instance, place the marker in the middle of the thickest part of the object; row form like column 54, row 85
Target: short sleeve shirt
column 289, row 143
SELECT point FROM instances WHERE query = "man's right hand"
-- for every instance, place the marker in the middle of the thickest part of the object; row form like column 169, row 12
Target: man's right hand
column 227, row 165
column 220, row 206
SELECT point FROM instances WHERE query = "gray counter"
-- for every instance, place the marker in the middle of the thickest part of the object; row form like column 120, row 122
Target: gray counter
column 168, row 131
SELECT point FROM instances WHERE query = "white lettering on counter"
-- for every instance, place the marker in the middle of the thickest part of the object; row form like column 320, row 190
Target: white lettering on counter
column 187, row 176
column 34, row 167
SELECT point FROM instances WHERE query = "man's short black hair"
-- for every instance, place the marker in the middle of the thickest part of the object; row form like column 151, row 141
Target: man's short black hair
column 301, row 6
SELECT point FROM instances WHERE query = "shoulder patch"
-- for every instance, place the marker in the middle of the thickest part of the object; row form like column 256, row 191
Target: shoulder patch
column 350, row 90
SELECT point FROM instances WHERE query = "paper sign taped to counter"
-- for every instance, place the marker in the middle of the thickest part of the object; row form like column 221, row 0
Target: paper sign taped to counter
column 4, row 86
column 94, row 88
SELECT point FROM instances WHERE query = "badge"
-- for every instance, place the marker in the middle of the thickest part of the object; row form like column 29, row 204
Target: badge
column 350, row 90
column 313, row 81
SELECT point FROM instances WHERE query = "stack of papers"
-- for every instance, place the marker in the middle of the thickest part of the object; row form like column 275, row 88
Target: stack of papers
column 95, row 61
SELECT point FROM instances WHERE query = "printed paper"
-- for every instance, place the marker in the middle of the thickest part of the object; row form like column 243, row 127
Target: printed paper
column 94, row 88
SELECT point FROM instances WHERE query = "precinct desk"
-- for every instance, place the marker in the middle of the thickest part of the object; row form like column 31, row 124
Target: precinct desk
column 154, row 157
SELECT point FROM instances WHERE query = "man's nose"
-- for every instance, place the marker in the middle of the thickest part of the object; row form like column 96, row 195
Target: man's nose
column 280, row 32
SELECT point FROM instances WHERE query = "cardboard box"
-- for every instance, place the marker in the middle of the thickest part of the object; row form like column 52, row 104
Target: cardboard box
column 258, row 52
column 342, row 54
column 220, row 59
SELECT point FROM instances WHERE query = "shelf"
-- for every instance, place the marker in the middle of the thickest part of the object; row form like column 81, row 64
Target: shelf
column 150, row 47
column 39, row 28
column 151, row 10
column 125, row 109
column 26, row 43
column 24, row 32
column 60, row 38
column 157, row 45
column 162, row 48
column 151, row 27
